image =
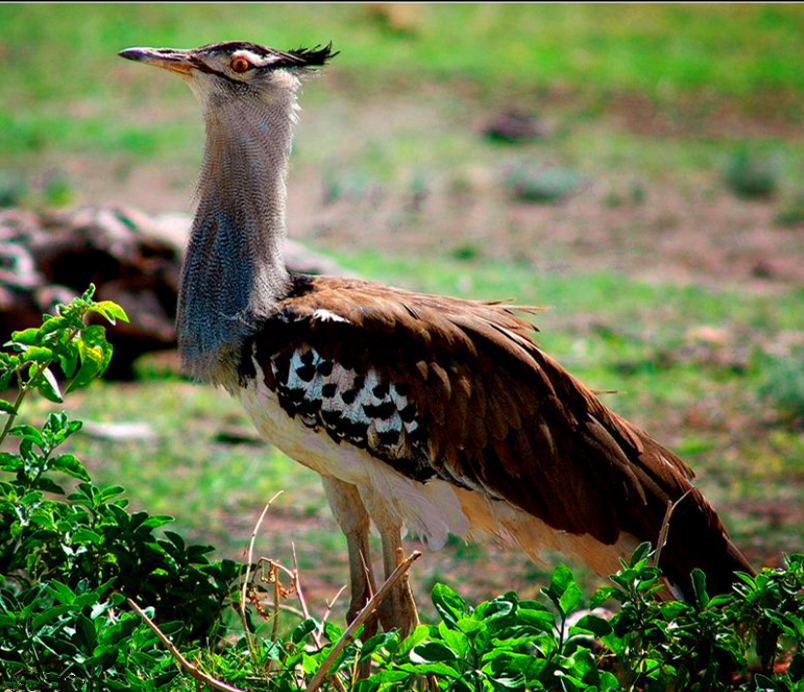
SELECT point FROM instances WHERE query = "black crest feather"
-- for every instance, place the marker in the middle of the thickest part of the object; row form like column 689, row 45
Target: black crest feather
column 298, row 58
column 310, row 58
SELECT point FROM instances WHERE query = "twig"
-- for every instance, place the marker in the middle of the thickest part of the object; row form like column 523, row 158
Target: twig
column 284, row 606
column 300, row 593
column 277, row 596
column 247, row 578
column 662, row 541
column 336, row 681
column 306, row 612
column 362, row 616
column 184, row 664
column 330, row 605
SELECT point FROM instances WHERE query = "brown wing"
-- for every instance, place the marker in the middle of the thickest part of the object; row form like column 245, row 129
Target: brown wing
column 457, row 389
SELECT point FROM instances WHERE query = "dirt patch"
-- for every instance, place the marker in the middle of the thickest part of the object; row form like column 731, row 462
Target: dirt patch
column 677, row 236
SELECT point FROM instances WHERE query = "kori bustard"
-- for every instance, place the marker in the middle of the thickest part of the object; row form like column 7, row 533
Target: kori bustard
column 424, row 411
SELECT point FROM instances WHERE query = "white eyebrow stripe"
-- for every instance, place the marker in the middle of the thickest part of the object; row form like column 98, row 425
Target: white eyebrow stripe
column 252, row 57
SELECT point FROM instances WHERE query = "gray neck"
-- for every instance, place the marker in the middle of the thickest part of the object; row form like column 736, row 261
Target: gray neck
column 234, row 271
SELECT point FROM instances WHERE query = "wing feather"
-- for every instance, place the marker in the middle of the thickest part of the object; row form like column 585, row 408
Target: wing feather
column 493, row 413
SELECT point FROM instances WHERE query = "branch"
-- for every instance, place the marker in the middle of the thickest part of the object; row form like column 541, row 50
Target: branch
column 362, row 616
column 184, row 664
column 665, row 531
column 244, row 591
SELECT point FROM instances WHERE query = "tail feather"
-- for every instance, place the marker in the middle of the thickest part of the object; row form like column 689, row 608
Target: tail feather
column 693, row 533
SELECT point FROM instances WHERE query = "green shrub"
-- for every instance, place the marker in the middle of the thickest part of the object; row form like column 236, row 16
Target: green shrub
column 12, row 190
column 66, row 563
column 543, row 184
column 752, row 174
column 784, row 383
column 792, row 212
column 751, row 639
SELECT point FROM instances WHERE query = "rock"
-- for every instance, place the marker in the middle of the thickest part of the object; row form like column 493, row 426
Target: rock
column 514, row 126
column 132, row 258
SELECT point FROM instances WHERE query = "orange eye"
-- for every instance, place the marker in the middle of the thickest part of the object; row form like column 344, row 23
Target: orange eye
column 240, row 64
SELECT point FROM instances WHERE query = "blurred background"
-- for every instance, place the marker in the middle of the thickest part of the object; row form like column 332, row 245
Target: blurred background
column 637, row 168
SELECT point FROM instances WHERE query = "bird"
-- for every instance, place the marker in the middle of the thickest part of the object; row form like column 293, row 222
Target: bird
column 420, row 412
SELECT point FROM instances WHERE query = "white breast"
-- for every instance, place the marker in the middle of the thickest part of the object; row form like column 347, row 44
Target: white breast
column 433, row 509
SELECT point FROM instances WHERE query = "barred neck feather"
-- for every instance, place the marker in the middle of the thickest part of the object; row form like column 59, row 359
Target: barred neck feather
column 234, row 270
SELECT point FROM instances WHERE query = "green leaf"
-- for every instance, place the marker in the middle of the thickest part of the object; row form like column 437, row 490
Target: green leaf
column 448, row 603
column 48, row 387
column 501, row 662
column 563, row 590
column 594, row 624
column 506, row 681
column 69, row 464
column 27, row 432
column 456, row 640
column 52, row 323
column 303, row 630
column 61, row 592
column 156, row 520
column 91, row 364
column 85, row 630
column 428, row 668
column 7, row 407
column 68, row 357
column 470, row 625
column 84, row 535
column 27, row 337
column 431, row 652
column 608, row 681
column 386, row 676
column 111, row 491
column 50, row 614
column 497, row 609
column 416, row 637
column 699, row 587
column 560, row 580
column 10, row 462
column 376, row 642
column 113, row 310
column 46, row 484
column 642, row 552
column 540, row 618
column 36, row 354
column 570, row 598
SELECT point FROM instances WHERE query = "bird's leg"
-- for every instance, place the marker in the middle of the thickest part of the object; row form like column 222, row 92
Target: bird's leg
column 398, row 609
column 351, row 515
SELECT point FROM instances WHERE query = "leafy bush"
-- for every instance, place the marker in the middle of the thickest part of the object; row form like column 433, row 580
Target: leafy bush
column 65, row 562
column 751, row 639
column 752, row 174
column 784, row 383
column 12, row 190
column 791, row 212
column 543, row 184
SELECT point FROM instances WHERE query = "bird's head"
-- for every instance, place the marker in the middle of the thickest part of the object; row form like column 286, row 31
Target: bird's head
column 226, row 72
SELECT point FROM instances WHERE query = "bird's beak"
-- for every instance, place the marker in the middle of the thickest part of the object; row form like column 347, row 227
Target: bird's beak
column 172, row 59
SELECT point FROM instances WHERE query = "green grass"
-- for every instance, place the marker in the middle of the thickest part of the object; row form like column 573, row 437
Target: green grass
column 68, row 103
column 63, row 51
column 62, row 81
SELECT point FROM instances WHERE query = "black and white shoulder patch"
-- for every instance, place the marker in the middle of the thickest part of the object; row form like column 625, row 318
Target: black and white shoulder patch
column 354, row 408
